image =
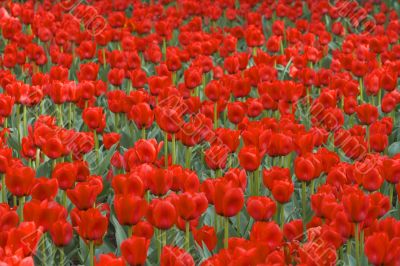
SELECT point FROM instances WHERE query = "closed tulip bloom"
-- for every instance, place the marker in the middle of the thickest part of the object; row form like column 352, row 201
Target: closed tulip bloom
column 175, row 256
column 6, row 103
column 94, row 118
column 206, row 235
column 260, row 208
column 66, row 174
column 229, row 200
column 268, row 233
column 304, row 169
column 53, row 148
column 293, row 230
column 169, row 120
column 162, row 214
column 216, row 156
column 92, row 225
column 125, row 184
column 61, row 233
column 84, row 194
column 20, row 180
column 191, row 205
column 143, row 229
column 367, row 113
column 116, row 76
column 110, row 139
column 249, row 158
column 356, row 205
column 376, row 248
column 282, row 190
column 129, row 209
column 236, row 112
column 110, row 259
column 44, row 213
column 159, row 181
column 142, row 115
column 44, row 188
column 134, row 250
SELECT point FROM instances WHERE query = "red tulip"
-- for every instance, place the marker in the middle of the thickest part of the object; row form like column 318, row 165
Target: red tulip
column 66, row 174
column 174, row 256
column 142, row 115
column 20, row 180
column 260, row 208
column 129, row 209
column 206, row 235
column 84, row 194
column 367, row 113
column 191, row 205
column 356, row 205
column 134, row 250
column 229, row 200
column 92, row 225
column 249, row 158
column 61, row 233
column 109, row 259
column 161, row 213
column 94, row 118
column 268, row 233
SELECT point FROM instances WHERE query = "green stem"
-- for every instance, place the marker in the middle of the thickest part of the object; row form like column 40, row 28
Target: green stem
column 64, row 199
column 188, row 155
column 96, row 144
column 43, row 250
column 164, row 49
column 173, row 148
column 303, row 199
column 187, row 235
column 116, row 120
column 104, row 58
column 21, row 208
column 391, row 186
column 143, row 133
column 62, row 255
column 37, row 159
column 60, row 114
column 129, row 231
column 25, row 130
column 3, row 189
column 70, row 116
column 357, row 248
column 281, row 214
column 166, row 149
column 226, row 232
column 91, row 253
column 215, row 115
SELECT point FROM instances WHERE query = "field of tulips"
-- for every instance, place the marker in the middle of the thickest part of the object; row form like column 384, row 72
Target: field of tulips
column 188, row 132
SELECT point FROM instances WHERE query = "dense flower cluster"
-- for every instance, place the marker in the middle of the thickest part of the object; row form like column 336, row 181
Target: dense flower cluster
column 199, row 132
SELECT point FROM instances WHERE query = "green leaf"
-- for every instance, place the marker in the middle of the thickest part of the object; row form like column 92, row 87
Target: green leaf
column 120, row 234
column 394, row 148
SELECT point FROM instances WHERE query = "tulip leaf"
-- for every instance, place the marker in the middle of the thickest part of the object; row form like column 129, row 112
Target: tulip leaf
column 120, row 234
column 104, row 162
column 44, row 169
column 394, row 148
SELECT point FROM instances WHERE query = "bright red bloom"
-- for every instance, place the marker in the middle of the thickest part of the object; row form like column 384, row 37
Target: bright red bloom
column 91, row 225
column 206, row 235
column 20, row 180
column 134, row 250
column 250, row 158
column 61, row 233
column 174, row 256
column 260, row 208
column 129, row 209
